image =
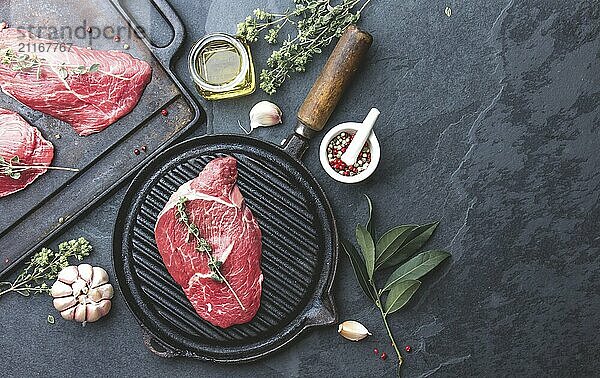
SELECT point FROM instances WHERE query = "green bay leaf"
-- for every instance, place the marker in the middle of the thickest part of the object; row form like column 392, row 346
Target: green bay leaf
column 367, row 246
column 416, row 267
column 391, row 241
column 415, row 240
column 360, row 270
column 400, row 294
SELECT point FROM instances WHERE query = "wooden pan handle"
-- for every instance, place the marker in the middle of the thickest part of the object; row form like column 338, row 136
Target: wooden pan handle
column 334, row 78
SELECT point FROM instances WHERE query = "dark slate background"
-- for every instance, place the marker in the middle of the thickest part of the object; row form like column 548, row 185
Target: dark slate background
column 489, row 124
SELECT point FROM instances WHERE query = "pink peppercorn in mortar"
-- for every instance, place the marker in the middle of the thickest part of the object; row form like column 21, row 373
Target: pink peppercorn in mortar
column 334, row 145
column 338, row 146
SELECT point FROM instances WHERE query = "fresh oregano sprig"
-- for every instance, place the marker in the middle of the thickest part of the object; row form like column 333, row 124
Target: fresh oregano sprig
column 45, row 265
column 203, row 246
column 13, row 169
column 392, row 250
column 317, row 23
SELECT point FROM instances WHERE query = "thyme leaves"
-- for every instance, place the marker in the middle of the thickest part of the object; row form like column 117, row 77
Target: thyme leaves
column 317, row 23
column 203, row 246
column 26, row 62
column 45, row 265
column 12, row 167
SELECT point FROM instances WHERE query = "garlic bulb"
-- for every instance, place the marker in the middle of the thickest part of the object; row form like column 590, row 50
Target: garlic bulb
column 264, row 113
column 353, row 330
column 82, row 293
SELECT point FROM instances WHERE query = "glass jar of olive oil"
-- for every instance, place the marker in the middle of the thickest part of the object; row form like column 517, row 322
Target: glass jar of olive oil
column 221, row 67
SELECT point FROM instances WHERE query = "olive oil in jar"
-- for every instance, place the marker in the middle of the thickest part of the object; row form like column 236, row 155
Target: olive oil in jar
column 221, row 67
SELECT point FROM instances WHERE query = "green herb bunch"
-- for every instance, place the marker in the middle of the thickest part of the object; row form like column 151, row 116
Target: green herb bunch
column 317, row 23
column 393, row 249
column 202, row 246
column 45, row 265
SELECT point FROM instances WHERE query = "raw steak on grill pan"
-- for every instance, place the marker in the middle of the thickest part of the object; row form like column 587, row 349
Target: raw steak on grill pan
column 214, row 204
column 89, row 102
column 19, row 138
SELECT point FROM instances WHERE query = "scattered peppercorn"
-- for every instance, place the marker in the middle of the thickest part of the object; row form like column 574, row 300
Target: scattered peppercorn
column 338, row 146
column 384, row 356
column 376, row 351
column 136, row 151
column 143, row 148
column 117, row 38
column 89, row 29
column 164, row 112
column 407, row 348
column 6, row 260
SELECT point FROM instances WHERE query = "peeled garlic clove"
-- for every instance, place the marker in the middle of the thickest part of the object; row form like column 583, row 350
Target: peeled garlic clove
column 99, row 277
column 353, row 330
column 264, row 113
column 60, row 289
column 68, row 275
column 85, row 272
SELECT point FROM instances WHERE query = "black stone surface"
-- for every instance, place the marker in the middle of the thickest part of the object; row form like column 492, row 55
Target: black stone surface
column 490, row 124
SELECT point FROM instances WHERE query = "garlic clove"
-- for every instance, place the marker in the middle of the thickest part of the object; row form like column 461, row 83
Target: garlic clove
column 68, row 275
column 102, row 292
column 99, row 277
column 105, row 307
column 353, row 330
column 97, row 310
column 80, row 312
column 93, row 313
column 265, row 113
column 60, row 289
column 63, row 303
column 68, row 314
column 85, row 272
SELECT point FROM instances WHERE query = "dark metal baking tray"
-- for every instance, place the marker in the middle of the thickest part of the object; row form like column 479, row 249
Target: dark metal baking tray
column 32, row 216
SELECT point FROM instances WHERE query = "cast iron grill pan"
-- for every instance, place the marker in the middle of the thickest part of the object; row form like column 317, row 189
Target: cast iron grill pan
column 299, row 237
column 298, row 256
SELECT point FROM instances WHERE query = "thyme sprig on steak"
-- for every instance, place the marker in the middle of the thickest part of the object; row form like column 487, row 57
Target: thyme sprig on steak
column 203, row 246
column 13, row 169
column 24, row 62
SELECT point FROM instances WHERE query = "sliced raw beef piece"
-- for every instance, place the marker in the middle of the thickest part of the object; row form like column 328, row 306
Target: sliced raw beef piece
column 19, row 138
column 89, row 102
column 217, row 207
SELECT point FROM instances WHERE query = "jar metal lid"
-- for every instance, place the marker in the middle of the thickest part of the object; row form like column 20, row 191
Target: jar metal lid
column 199, row 47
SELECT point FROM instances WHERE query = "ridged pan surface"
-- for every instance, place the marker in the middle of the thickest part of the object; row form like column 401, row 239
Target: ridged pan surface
column 298, row 257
